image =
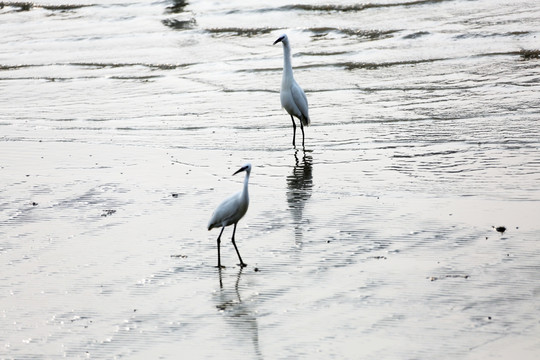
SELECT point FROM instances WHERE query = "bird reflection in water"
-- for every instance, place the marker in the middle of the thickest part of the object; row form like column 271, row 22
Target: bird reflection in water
column 239, row 313
column 299, row 187
column 178, row 6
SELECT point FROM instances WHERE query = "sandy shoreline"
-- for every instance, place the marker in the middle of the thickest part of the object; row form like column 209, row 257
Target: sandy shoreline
column 140, row 280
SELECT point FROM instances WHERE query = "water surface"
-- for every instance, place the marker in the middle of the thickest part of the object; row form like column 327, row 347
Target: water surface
column 121, row 127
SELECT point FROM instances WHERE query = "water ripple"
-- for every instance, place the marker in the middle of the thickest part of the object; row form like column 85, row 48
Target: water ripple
column 356, row 7
column 26, row 6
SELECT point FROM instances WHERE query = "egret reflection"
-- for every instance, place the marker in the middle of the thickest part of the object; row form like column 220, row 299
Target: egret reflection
column 178, row 6
column 240, row 314
column 299, row 188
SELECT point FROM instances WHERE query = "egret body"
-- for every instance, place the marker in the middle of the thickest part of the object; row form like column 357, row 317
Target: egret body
column 293, row 99
column 230, row 211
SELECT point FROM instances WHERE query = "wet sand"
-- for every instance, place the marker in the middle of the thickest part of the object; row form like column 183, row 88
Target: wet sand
column 120, row 133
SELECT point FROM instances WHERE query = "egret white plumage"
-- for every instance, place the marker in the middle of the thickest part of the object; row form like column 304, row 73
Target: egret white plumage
column 230, row 211
column 293, row 98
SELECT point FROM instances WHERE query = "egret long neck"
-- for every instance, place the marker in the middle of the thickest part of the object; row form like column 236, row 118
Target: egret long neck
column 287, row 65
column 245, row 190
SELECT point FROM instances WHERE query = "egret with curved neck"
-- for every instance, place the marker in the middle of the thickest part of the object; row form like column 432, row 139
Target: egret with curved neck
column 230, row 211
column 293, row 99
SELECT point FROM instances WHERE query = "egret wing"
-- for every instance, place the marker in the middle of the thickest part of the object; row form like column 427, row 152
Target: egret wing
column 226, row 213
column 301, row 102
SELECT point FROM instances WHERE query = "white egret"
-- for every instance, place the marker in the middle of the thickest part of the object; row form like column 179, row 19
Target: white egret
column 293, row 98
column 230, row 211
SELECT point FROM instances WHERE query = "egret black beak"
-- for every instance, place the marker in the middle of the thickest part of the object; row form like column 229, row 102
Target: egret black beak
column 278, row 40
column 243, row 168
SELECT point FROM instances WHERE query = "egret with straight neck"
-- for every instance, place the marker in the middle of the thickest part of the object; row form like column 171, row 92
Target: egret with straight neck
column 230, row 211
column 293, row 98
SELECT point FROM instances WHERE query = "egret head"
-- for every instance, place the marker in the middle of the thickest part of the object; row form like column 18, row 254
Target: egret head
column 246, row 168
column 283, row 38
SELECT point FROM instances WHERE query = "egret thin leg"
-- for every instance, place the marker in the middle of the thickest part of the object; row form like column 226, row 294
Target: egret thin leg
column 218, row 248
column 293, row 131
column 302, row 128
column 236, row 248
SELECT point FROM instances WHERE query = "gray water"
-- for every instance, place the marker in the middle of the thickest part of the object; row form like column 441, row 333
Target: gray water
column 121, row 125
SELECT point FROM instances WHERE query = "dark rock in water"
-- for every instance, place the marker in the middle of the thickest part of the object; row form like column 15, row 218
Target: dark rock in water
column 448, row 276
column 529, row 54
column 501, row 229
column 108, row 212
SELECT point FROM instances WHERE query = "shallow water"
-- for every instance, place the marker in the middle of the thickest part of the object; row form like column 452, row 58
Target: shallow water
column 121, row 127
